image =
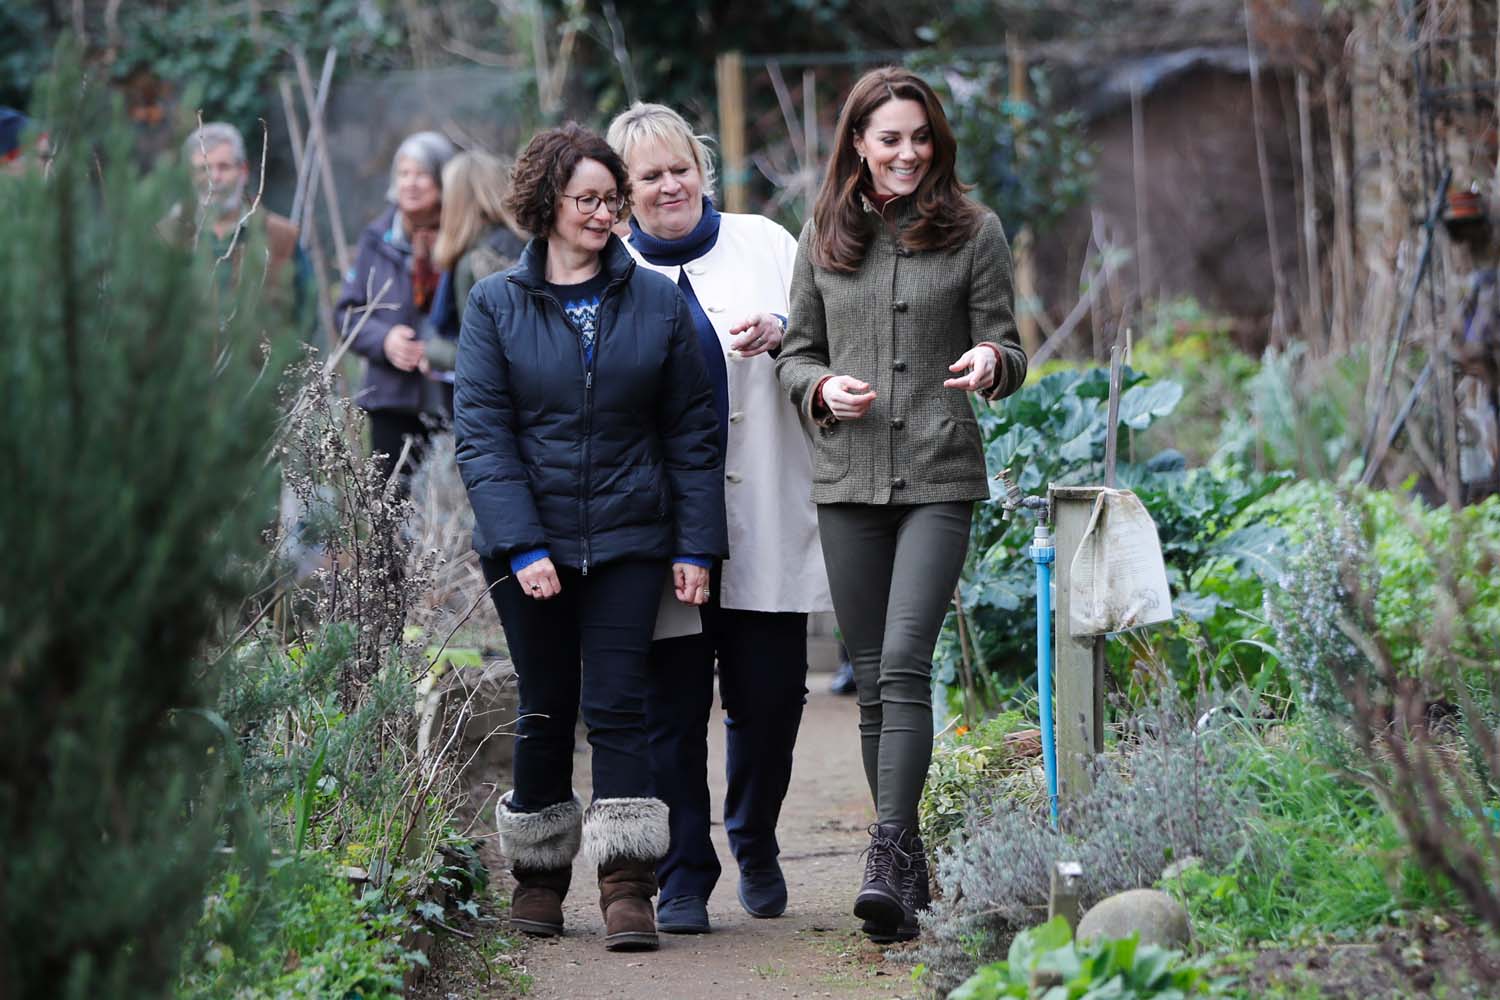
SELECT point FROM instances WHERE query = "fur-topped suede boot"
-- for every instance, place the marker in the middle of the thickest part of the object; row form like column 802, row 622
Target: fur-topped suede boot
column 624, row 839
column 541, row 847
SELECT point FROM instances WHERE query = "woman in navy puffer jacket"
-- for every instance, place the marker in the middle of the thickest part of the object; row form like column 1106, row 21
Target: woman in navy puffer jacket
column 588, row 444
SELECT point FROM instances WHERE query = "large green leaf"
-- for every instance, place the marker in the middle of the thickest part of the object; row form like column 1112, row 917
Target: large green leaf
column 1141, row 405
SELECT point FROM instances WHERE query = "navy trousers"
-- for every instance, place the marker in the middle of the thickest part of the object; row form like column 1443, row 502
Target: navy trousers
column 762, row 659
column 587, row 647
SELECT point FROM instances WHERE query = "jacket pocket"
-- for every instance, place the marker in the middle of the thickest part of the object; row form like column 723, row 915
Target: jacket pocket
column 831, row 454
column 957, row 451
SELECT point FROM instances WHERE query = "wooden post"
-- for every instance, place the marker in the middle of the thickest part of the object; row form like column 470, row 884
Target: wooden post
column 1067, row 886
column 1078, row 673
column 730, row 73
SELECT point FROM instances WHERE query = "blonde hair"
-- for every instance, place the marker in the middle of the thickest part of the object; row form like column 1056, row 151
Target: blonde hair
column 474, row 188
column 659, row 123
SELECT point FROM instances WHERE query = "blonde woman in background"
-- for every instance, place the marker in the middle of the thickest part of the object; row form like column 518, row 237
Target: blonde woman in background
column 476, row 238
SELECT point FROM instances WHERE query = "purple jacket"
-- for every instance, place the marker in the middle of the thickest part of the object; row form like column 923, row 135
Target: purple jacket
column 378, row 261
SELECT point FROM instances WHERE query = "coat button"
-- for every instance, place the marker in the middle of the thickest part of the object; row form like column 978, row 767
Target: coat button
column 899, row 306
column 898, row 483
column 734, row 477
column 898, row 423
column 735, row 418
column 901, row 251
column 898, row 365
column 715, row 309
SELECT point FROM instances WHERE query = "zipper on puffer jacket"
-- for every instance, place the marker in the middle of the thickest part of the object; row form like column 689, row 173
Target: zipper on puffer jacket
column 586, row 476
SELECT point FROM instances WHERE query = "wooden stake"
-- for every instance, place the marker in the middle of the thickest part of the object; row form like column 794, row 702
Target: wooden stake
column 1316, row 319
column 1144, row 278
column 315, row 244
column 317, row 140
column 1279, row 318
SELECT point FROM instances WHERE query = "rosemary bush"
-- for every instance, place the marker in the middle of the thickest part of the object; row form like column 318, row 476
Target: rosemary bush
column 1169, row 794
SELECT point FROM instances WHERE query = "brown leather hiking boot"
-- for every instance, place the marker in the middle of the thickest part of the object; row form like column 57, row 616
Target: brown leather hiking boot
column 625, row 892
column 881, row 901
column 536, row 904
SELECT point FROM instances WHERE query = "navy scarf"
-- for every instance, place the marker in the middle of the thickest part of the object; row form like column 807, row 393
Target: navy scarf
column 675, row 253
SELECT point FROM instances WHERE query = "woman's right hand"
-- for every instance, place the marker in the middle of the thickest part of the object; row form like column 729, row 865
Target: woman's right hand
column 539, row 580
column 402, row 348
column 846, row 397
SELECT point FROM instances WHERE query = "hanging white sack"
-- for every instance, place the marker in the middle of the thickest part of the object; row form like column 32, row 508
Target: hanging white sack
column 1118, row 580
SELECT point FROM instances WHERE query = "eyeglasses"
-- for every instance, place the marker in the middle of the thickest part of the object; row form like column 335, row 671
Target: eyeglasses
column 588, row 204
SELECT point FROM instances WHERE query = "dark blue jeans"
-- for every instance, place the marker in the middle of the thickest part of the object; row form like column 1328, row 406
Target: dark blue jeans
column 762, row 658
column 587, row 647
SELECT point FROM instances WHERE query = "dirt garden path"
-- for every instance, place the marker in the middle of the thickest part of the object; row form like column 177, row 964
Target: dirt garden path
column 814, row 950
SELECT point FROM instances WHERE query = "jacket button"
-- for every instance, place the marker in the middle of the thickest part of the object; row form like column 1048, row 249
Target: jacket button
column 901, row 251
column 734, row 477
column 715, row 309
column 899, row 306
column 898, row 483
column 735, row 418
column 898, row 366
column 898, row 423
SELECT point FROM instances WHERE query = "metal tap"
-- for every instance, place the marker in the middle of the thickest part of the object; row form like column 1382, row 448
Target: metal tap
column 1014, row 500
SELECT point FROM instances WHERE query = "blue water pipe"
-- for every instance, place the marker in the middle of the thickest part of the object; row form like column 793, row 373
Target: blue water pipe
column 1043, row 553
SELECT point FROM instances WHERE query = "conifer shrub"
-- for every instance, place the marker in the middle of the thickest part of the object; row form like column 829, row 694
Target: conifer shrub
column 137, row 411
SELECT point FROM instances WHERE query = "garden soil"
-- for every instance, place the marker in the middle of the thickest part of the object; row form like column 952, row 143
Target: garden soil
column 814, row 950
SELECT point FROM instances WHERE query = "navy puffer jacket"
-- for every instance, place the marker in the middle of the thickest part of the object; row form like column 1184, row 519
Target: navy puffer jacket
column 614, row 462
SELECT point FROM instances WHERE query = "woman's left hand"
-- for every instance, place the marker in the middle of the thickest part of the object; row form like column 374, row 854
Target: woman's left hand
column 691, row 582
column 756, row 335
column 980, row 363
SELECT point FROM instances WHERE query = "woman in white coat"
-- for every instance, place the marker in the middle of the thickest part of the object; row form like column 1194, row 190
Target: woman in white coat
column 735, row 271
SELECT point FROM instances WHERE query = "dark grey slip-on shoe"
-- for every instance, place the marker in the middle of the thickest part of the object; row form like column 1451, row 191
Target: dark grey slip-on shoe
column 683, row 915
column 763, row 890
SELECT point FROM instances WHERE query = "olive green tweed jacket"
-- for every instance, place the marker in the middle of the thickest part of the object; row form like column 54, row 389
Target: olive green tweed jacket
column 897, row 323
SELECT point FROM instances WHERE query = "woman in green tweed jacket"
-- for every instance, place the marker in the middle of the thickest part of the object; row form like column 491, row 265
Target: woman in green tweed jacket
column 900, row 307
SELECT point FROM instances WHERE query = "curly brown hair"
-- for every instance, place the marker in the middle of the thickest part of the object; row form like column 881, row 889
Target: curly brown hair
column 945, row 218
column 545, row 167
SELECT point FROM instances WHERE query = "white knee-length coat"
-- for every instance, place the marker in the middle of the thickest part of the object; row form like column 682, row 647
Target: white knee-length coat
column 775, row 559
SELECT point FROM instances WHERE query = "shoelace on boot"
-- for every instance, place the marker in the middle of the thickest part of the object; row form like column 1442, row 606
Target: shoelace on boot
column 883, row 857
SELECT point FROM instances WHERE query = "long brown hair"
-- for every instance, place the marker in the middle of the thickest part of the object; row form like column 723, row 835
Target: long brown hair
column 474, row 188
column 945, row 218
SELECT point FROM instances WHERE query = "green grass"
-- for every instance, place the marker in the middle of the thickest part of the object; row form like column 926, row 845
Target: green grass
column 1322, row 858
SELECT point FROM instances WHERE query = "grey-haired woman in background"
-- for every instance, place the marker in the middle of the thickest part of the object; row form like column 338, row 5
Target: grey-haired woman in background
column 387, row 294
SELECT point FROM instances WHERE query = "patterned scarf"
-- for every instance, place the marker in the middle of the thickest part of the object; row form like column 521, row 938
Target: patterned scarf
column 424, row 277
